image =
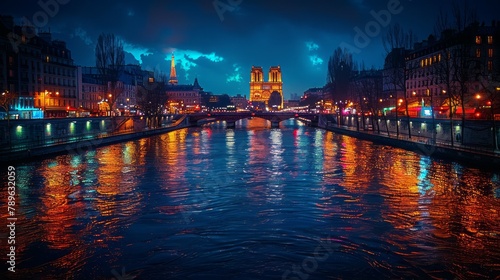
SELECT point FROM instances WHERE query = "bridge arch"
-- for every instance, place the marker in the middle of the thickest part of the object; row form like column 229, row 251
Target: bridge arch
column 275, row 100
column 274, row 117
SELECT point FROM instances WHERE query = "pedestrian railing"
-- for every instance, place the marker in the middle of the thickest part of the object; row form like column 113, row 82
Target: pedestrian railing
column 24, row 145
column 424, row 140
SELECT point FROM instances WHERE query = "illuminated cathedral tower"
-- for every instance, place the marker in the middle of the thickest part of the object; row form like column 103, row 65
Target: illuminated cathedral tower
column 173, row 74
column 266, row 94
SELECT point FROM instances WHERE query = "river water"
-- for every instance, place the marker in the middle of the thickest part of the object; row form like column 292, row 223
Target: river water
column 254, row 203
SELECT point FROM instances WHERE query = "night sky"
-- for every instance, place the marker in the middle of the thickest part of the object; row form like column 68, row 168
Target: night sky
column 219, row 47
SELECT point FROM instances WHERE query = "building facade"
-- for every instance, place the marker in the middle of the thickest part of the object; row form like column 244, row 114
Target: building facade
column 96, row 94
column 393, row 79
column 266, row 94
column 184, row 98
column 126, row 89
column 239, row 101
column 58, row 97
column 91, row 91
column 367, row 93
column 38, row 70
column 450, row 73
column 20, row 70
column 316, row 92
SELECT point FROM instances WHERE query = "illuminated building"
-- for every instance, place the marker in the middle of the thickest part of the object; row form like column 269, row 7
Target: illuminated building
column 59, row 79
column 182, row 98
column 291, row 103
column 316, row 92
column 173, row 74
column 266, row 94
column 20, row 70
column 240, row 101
column 433, row 64
column 127, row 88
column 38, row 70
column 90, row 91
column 367, row 87
column 94, row 90
column 391, row 84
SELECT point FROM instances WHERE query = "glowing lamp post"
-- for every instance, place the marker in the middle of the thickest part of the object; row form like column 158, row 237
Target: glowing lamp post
column 110, row 104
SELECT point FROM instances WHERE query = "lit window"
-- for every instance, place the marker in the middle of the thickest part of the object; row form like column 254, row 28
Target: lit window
column 490, row 65
column 490, row 40
column 478, row 53
column 490, row 52
column 478, row 39
column 47, row 59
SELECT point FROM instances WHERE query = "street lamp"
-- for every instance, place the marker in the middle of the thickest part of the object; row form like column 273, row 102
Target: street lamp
column 478, row 96
column 110, row 104
column 6, row 103
column 43, row 105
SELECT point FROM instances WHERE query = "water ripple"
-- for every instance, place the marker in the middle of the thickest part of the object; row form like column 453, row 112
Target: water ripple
column 253, row 203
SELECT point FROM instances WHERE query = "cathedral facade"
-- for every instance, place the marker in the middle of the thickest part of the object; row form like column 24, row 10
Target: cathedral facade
column 266, row 94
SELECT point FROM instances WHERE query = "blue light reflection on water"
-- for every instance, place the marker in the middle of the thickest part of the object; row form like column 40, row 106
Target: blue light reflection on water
column 253, row 202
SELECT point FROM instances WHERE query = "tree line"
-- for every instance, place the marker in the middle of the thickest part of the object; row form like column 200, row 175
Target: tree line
column 456, row 66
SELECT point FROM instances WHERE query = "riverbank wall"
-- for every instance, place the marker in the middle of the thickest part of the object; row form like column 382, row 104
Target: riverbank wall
column 482, row 158
column 32, row 139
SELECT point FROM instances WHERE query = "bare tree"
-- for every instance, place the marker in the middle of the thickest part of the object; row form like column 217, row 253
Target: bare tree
column 443, row 74
column 397, row 42
column 465, row 61
column 397, row 37
column 429, row 96
column 110, row 61
column 489, row 79
column 368, row 87
column 152, row 99
column 458, row 66
column 340, row 70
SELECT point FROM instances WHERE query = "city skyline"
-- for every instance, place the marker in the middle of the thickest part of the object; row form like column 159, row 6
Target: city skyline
column 223, row 139
column 218, row 41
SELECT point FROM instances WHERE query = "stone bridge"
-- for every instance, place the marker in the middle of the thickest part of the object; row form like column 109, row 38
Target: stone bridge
column 232, row 117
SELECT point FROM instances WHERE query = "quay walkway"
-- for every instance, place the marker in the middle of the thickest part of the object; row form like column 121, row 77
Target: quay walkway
column 23, row 151
column 469, row 155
